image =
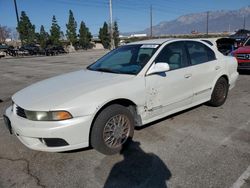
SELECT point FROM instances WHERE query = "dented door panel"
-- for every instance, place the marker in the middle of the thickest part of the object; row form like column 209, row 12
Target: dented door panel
column 165, row 93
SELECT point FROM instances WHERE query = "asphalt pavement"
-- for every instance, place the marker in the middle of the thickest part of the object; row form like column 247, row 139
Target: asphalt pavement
column 198, row 148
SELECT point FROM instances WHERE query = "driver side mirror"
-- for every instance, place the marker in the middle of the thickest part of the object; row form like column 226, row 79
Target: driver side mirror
column 158, row 68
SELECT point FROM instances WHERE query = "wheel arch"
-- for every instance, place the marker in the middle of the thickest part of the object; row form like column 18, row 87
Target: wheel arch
column 221, row 76
column 214, row 100
column 224, row 76
column 121, row 101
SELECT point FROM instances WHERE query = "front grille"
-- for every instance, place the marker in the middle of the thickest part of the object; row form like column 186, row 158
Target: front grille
column 244, row 64
column 20, row 112
column 243, row 56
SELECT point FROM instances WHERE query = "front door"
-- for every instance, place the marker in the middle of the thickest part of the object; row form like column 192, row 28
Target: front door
column 172, row 91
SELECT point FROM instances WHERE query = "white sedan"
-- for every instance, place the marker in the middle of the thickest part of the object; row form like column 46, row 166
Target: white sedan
column 131, row 86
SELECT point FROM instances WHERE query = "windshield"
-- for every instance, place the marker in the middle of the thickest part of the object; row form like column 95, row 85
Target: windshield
column 129, row 59
column 247, row 42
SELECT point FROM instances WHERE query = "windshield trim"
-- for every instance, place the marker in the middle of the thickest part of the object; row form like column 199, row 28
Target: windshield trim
column 109, row 72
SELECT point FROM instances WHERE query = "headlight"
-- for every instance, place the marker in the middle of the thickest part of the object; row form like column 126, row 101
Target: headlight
column 47, row 116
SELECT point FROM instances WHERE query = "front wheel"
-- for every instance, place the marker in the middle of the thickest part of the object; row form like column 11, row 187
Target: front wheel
column 220, row 92
column 112, row 129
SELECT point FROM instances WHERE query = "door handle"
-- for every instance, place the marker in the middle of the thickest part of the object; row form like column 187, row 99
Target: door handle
column 188, row 75
column 217, row 67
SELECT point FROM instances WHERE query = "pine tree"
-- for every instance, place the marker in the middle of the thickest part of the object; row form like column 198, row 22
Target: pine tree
column 55, row 32
column 116, row 34
column 37, row 37
column 84, row 36
column 62, row 36
column 43, row 37
column 26, row 29
column 71, row 29
column 104, row 36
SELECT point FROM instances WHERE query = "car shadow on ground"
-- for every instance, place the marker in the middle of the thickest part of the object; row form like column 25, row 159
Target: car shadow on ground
column 138, row 169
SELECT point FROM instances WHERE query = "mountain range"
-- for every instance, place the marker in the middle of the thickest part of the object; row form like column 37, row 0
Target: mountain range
column 218, row 21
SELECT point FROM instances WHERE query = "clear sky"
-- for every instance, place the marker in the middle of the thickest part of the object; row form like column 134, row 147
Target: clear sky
column 131, row 15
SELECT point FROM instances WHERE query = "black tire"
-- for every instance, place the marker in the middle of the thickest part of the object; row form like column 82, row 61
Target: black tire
column 220, row 92
column 103, row 124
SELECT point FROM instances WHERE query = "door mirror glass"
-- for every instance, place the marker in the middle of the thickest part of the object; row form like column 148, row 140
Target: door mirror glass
column 158, row 67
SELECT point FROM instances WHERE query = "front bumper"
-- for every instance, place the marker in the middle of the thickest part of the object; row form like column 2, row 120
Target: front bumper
column 74, row 131
column 244, row 66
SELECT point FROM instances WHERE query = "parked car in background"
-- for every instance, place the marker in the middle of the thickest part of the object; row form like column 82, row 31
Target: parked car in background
column 2, row 54
column 54, row 50
column 32, row 49
column 3, row 48
column 242, row 55
column 130, row 86
column 240, row 36
column 22, row 51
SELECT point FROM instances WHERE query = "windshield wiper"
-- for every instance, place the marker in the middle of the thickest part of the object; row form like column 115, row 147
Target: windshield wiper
column 102, row 69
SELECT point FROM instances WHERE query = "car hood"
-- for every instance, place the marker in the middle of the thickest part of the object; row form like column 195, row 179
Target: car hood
column 243, row 49
column 55, row 91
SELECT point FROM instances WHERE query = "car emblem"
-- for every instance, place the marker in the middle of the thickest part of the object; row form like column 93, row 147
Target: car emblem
column 247, row 56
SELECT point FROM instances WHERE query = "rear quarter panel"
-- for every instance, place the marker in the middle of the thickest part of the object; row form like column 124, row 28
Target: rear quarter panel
column 231, row 67
column 228, row 66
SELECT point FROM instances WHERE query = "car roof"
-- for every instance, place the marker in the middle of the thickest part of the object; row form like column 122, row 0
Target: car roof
column 152, row 41
column 163, row 40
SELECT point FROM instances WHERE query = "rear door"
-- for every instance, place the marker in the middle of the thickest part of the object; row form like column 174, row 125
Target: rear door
column 204, row 67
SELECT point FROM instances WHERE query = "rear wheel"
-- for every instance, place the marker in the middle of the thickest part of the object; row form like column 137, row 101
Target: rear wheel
column 220, row 92
column 112, row 129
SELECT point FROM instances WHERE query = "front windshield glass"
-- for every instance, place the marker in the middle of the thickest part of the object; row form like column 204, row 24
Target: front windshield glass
column 248, row 42
column 129, row 59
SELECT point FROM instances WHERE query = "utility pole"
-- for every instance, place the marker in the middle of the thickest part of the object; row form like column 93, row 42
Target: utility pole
column 111, row 25
column 244, row 22
column 151, row 21
column 207, row 21
column 17, row 17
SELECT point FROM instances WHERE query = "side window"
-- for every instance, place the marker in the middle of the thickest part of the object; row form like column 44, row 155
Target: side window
column 199, row 53
column 174, row 54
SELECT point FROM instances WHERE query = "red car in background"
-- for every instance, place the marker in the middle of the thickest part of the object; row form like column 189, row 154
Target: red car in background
column 242, row 55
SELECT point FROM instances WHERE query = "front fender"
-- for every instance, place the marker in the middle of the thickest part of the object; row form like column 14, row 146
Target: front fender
column 91, row 102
